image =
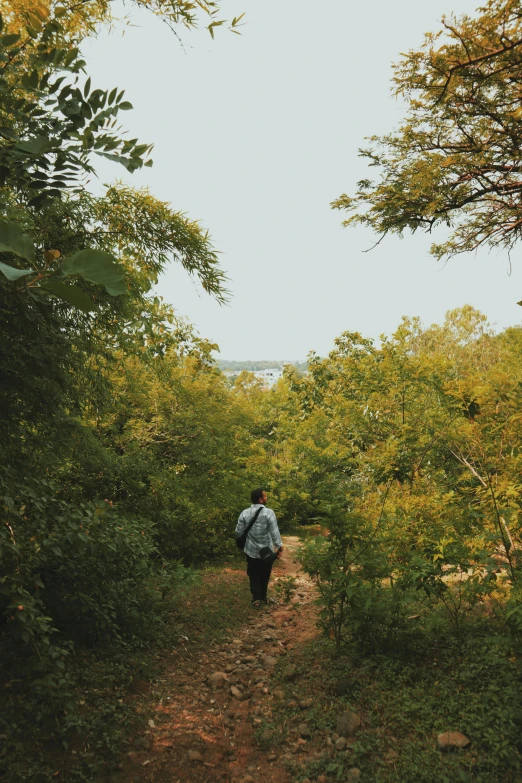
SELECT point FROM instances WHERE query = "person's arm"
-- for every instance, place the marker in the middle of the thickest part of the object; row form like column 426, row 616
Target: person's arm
column 240, row 524
column 274, row 533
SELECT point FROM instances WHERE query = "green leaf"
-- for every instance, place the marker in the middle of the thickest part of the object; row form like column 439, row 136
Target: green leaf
column 71, row 56
column 71, row 294
column 9, row 40
column 12, row 273
column 34, row 146
column 13, row 240
column 125, row 105
column 97, row 266
column 8, row 133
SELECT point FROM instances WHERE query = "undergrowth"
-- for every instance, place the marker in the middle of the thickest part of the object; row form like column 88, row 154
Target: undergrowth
column 111, row 688
column 440, row 682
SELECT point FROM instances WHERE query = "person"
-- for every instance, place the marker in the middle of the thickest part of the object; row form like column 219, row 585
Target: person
column 264, row 532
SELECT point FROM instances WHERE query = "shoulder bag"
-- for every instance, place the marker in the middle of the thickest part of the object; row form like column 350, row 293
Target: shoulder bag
column 242, row 537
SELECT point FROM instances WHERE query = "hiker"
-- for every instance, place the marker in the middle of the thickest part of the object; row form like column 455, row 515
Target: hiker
column 261, row 540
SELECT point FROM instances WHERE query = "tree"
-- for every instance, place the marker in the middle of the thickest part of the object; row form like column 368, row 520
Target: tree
column 85, row 15
column 50, row 128
column 409, row 453
column 50, row 131
column 456, row 159
column 122, row 444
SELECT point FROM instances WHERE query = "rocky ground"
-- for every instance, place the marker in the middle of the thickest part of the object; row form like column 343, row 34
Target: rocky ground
column 237, row 712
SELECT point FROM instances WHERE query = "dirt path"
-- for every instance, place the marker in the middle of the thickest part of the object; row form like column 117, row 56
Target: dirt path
column 208, row 729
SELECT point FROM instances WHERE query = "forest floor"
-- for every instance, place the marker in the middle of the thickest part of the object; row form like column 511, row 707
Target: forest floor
column 215, row 715
column 258, row 696
column 233, row 694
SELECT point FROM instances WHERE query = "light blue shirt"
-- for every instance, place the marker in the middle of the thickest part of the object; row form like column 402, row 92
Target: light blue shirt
column 264, row 531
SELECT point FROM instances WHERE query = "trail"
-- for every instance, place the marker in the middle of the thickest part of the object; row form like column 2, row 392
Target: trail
column 199, row 731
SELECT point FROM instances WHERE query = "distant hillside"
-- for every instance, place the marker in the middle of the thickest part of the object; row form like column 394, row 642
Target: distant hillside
column 265, row 364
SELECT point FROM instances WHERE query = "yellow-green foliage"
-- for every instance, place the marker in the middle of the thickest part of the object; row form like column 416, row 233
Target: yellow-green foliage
column 410, row 452
column 455, row 158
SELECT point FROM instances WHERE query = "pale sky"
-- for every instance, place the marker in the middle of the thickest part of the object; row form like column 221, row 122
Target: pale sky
column 254, row 136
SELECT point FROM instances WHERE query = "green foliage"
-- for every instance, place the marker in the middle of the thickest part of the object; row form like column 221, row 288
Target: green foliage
column 285, row 588
column 125, row 452
column 188, row 14
column 50, row 127
column 408, row 696
column 408, row 454
column 455, row 159
column 79, row 566
column 97, row 267
column 100, row 714
column 92, row 265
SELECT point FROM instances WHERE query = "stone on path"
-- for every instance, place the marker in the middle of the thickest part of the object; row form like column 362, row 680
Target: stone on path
column 234, row 691
column 195, row 755
column 268, row 660
column 217, row 680
column 304, row 731
column 353, row 775
column 348, row 723
column 343, row 685
column 450, row 740
column 340, row 744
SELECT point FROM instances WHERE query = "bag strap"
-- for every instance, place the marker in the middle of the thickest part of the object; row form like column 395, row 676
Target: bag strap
column 250, row 524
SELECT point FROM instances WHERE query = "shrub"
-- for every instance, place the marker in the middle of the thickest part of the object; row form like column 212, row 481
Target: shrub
column 69, row 574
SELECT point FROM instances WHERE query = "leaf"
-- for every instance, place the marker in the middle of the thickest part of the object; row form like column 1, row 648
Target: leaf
column 125, row 105
column 13, row 240
column 71, row 294
column 8, row 133
column 34, row 146
column 97, row 266
column 12, row 273
column 51, row 255
column 9, row 40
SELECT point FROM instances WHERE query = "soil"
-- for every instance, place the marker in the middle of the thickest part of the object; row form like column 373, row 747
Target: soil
column 199, row 733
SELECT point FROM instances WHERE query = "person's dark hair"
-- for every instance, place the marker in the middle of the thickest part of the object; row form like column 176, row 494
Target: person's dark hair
column 256, row 495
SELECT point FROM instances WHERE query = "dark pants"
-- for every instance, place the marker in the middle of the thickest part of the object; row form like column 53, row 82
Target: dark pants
column 259, row 574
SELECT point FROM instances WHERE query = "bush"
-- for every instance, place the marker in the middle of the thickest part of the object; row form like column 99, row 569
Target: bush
column 75, row 567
